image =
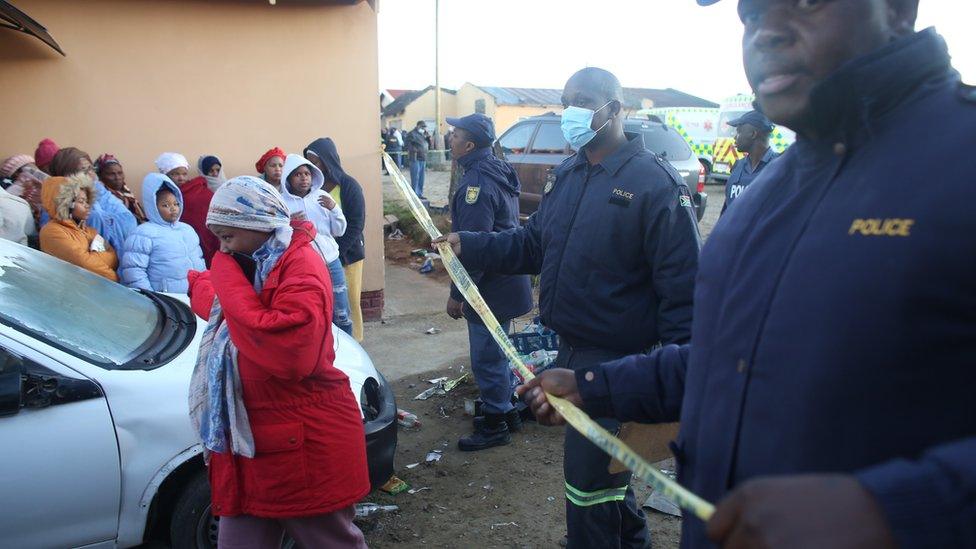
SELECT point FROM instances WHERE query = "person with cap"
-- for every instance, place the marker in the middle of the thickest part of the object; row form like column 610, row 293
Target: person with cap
column 487, row 200
column 44, row 154
column 271, row 165
column 417, row 147
column 826, row 398
column 616, row 243
column 197, row 195
column 751, row 138
column 110, row 173
column 22, row 178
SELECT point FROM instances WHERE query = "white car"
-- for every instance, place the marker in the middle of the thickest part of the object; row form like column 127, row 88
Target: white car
column 97, row 448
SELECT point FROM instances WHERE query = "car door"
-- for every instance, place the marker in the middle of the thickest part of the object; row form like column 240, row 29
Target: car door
column 512, row 147
column 548, row 149
column 59, row 459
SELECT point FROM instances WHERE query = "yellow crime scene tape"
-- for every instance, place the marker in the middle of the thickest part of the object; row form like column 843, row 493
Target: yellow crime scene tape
column 573, row 415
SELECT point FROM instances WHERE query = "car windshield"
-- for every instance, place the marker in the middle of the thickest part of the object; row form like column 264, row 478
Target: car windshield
column 667, row 143
column 724, row 130
column 72, row 309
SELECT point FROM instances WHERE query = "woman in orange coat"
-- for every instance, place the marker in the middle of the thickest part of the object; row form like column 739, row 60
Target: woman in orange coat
column 68, row 201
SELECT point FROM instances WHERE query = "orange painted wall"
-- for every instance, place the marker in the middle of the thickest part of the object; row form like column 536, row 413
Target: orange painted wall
column 226, row 77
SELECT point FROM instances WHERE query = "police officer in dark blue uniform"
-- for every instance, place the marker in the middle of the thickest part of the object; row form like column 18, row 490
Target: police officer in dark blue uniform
column 752, row 138
column 487, row 200
column 827, row 397
column 616, row 243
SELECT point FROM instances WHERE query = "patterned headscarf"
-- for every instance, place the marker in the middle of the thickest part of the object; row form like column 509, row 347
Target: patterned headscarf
column 247, row 202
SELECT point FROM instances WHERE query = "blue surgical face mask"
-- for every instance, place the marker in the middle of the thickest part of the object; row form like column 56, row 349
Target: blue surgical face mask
column 576, row 125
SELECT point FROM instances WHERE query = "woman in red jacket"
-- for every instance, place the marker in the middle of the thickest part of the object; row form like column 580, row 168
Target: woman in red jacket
column 281, row 427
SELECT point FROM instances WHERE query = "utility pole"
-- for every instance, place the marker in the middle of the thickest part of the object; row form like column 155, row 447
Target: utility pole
column 437, row 74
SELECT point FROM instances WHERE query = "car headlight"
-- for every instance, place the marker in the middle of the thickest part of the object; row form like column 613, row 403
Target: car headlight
column 369, row 399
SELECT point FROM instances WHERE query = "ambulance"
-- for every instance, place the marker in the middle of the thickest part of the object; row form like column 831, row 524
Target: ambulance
column 696, row 125
column 723, row 152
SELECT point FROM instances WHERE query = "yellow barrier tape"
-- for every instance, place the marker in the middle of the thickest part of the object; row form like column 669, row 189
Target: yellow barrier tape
column 574, row 416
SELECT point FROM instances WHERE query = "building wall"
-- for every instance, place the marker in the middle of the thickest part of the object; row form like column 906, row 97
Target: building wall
column 226, row 77
column 507, row 115
column 468, row 95
column 423, row 108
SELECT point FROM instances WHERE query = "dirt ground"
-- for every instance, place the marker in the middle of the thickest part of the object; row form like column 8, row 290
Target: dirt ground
column 509, row 496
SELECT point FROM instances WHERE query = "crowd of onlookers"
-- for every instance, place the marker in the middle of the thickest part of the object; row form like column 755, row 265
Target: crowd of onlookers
column 83, row 211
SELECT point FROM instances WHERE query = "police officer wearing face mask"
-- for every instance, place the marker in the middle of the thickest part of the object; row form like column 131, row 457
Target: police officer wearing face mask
column 826, row 399
column 616, row 243
column 752, row 138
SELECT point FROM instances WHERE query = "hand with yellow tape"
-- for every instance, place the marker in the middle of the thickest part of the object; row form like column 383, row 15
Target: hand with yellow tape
column 566, row 409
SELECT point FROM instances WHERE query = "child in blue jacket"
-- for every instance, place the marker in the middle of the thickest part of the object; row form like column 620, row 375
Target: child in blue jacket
column 158, row 254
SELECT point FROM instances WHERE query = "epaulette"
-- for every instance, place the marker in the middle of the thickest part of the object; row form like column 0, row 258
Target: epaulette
column 967, row 92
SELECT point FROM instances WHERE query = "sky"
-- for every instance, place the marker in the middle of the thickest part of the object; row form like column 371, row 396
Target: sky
column 646, row 43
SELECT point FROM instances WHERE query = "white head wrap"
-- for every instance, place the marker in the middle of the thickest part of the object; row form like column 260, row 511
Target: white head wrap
column 169, row 161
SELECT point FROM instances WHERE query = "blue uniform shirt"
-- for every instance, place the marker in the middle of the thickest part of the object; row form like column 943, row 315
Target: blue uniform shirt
column 835, row 310
column 487, row 200
column 743, row 174
column 616, row 244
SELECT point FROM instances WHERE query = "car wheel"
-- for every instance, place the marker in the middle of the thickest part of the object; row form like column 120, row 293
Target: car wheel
column 192, row 524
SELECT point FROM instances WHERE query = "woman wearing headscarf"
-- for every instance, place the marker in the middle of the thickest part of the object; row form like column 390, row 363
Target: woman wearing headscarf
column 111, row 174
column 109, row 215
column 270, row 166
column 280, row 426
column 197, row 193
column 25, row 182
column 348, row 194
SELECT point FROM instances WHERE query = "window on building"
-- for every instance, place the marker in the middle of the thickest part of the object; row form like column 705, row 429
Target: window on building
column 549, row 140
column 516, row 139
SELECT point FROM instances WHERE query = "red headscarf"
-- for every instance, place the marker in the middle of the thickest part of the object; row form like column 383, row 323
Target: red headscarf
column 268, row 156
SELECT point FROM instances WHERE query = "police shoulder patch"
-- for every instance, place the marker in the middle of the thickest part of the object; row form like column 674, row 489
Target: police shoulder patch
column 471, row 196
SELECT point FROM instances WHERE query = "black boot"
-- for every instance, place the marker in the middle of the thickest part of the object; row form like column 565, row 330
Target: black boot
column 493, row 432
column 512, row 418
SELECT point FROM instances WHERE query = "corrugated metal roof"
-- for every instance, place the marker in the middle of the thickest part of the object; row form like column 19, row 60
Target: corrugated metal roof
column 400, row 103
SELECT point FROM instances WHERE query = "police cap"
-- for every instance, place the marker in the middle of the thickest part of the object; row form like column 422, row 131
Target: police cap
column 755, row 119
column 707, row 2
column 480, row 127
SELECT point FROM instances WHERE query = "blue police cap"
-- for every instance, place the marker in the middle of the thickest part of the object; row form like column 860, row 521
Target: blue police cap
column 481, row 128
column 707, row 2
column 755, row 119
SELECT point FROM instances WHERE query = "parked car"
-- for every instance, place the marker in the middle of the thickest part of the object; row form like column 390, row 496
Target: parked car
column 98, row 449
column 535, row 146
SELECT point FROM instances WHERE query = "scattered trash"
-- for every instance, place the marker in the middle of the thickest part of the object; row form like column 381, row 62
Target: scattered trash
column 419, row 252
column 394, row 486
column 364, row 510
column 427, row 267
column 412, row 465
column 443, row 412
column 550, row 498
column 433, row 457
column 504, row 524
column 407, row 419
column 397, row 234
column 660, row 503
column 433, row 331
column 416, row 490
column 443, row 387
column 435, row 381
column 470, row 406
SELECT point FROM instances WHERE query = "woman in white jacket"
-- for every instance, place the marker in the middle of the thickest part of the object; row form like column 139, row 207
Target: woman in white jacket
column 301, row 187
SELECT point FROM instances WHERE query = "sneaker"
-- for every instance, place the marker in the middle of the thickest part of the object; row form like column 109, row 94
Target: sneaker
column 493, row 432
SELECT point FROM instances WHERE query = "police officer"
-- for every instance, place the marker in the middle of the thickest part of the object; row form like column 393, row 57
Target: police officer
column 752, row 138
column 487, row 200
column 827, row 398
column 616, row 243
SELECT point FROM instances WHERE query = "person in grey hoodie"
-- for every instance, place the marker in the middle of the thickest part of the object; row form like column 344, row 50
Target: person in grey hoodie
column 348, row 194
column 301, row 187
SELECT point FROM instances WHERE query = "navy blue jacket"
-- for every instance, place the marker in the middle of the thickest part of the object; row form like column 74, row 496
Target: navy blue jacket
column 743, row 175
column 617, row 246
column 486, row 200
column 835, row 310
column 351, row 247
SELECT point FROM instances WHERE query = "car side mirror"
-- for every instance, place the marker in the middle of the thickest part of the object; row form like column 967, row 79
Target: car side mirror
column 11, row 383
